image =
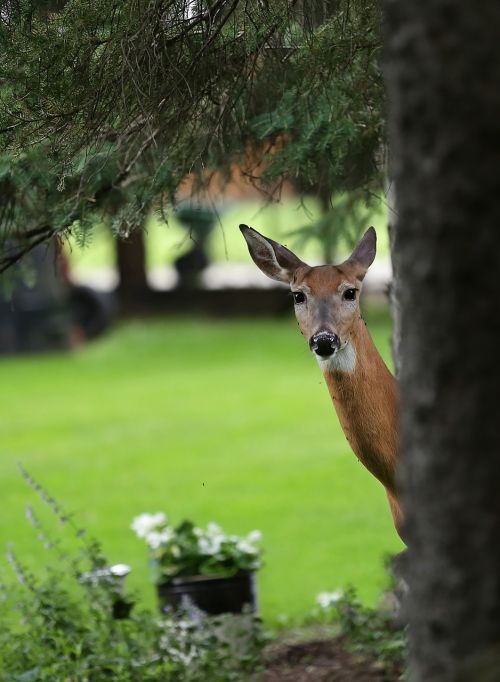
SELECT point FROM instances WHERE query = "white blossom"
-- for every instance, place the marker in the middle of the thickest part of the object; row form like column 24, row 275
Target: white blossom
column 157, row 538
column 210, row 545
column 245, row 547
column 144, row 524
column 327, row 599
column 254, row 536
column 214, row 529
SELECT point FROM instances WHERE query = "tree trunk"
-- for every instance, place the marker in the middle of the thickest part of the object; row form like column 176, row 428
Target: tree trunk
column 394, row 296
column 131, row 263
column 443, row 76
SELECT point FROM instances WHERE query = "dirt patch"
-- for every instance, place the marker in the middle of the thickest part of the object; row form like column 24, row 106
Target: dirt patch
column 321, row 660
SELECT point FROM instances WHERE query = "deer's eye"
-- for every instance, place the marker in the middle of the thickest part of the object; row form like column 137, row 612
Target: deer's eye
column 298, row 296
column 350, row 295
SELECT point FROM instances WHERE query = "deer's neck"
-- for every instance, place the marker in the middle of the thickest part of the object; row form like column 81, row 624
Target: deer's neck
column 365, row 397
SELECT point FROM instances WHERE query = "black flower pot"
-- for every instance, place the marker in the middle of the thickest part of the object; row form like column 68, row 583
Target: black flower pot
column 211, row 594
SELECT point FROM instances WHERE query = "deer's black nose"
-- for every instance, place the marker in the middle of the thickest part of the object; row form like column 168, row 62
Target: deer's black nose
column 324, row 343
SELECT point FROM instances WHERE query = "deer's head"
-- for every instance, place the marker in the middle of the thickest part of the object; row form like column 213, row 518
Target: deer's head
column 326, row 297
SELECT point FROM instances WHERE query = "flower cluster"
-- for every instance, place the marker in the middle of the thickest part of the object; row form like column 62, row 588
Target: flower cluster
column 153, row 528
column 188, row 550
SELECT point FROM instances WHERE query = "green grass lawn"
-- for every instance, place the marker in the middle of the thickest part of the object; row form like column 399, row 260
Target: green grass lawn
column 225, row 421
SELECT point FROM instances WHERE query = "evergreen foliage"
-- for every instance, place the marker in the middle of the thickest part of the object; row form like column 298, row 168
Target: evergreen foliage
column 115, row 103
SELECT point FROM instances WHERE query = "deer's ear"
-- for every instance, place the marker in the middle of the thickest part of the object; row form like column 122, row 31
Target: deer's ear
column 275, row 260
column 364, row 253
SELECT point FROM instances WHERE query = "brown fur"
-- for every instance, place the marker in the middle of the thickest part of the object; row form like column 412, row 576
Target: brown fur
column 366, row 399
column 367, row 405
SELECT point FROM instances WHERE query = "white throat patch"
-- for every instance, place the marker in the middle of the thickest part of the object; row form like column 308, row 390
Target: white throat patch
column 344, row 360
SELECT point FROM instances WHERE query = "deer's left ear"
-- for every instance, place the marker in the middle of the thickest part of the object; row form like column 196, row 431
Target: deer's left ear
column 364, row 253
column 275, row 260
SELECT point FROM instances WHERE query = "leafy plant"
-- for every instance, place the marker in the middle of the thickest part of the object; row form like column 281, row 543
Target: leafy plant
column 117, row 103
column 372, row 632
column 58, row 626
column 187, row 550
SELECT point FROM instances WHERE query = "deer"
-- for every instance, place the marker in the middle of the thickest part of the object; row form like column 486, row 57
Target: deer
column 363, row 390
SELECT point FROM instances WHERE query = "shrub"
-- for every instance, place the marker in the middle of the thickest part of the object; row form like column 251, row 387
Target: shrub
column 67, row 628
column 376, row 633
column 371, row 631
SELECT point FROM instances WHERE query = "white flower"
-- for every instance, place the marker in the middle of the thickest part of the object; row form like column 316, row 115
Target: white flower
column 327, row 599
column 157, row 538
column 254, row 536
column 144, row 524
column 214, row 529
column 246, row 548
column 209, row 545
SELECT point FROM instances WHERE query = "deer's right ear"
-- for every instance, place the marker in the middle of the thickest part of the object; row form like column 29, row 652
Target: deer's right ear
column 275, row 260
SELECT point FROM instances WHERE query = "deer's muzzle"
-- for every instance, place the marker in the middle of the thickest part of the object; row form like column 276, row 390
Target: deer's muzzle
column 324, row 344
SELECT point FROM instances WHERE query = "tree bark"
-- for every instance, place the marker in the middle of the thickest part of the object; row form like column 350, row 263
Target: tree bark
column 131, row 263
column 443, row 77
column 394, row 296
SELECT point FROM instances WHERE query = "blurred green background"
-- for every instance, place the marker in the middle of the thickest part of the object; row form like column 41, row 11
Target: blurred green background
column 167, row 241
column 211, row 420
